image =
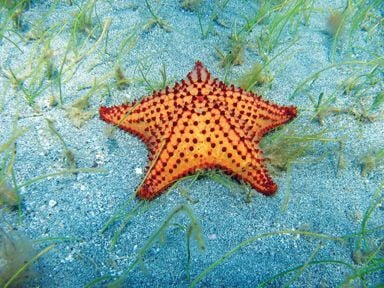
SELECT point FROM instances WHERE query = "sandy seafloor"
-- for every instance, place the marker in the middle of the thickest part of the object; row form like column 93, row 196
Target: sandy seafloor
column 323, row 197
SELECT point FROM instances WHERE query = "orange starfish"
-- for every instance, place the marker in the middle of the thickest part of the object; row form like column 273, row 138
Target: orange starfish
column 201, row 123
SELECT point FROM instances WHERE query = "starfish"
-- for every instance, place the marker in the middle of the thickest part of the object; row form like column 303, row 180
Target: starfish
column 201, row 123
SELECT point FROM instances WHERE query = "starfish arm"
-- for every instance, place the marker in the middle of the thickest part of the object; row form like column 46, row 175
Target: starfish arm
column 125, row 117
column 254, row 172
column 263, row 116
column 248, row 111
column 149, row 119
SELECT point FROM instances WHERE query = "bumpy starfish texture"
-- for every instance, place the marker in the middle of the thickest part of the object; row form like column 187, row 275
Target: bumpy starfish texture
column 201, row 123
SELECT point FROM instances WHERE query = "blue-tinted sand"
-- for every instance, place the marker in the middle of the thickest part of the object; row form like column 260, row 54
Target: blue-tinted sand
column 316, row 194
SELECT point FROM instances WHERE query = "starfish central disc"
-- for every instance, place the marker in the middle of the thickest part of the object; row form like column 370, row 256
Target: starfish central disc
column 201, row 123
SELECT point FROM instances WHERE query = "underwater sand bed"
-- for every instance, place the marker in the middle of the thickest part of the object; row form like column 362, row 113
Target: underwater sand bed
column 69, row 216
